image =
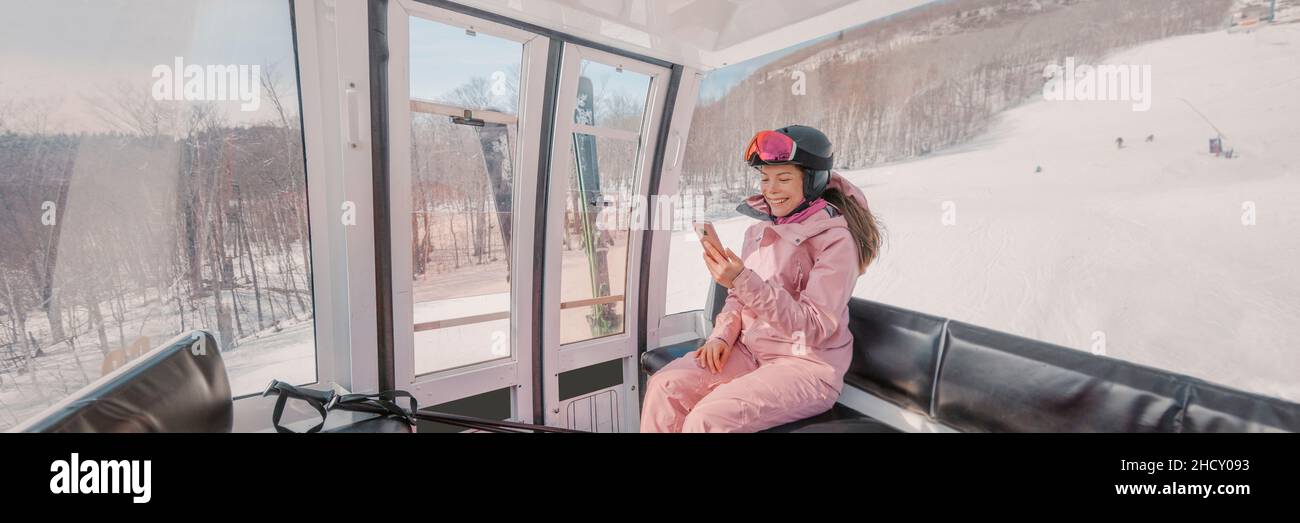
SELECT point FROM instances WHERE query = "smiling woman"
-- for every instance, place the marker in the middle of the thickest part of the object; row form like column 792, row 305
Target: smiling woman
column 782, row 187
column 146, row 190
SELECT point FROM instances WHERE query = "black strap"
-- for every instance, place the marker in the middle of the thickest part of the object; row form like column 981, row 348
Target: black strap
column 318, row 399
column 386, row 400
column 383, row 403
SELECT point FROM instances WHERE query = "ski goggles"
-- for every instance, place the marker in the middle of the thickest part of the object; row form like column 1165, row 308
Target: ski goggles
column 775, row 147
column 769, row 147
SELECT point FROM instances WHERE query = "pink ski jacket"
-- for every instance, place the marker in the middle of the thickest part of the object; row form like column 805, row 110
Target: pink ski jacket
column 792, row 298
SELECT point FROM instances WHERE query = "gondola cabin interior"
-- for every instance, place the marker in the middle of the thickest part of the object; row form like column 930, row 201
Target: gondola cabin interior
column 488, row 204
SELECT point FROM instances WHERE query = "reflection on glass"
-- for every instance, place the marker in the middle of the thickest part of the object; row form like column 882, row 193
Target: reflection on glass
column 608, row 97
column 602, row 181
column 597, row 217
column 479, row 72
column 461, row 194
column 130, row 214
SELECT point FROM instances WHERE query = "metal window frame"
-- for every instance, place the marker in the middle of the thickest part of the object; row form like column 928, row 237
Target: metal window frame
column 557, row 357
column 544, row 31
column 515, row 370
column 661, row 329
column 330, row 55
column 653, row 327
column 553, row 53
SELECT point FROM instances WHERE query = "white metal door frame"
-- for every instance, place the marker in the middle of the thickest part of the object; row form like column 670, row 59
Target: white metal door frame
column 557, row 358
column 334, row 88
column 515, row 371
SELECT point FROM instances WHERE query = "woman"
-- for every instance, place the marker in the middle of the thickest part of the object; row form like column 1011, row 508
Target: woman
column 781, row 344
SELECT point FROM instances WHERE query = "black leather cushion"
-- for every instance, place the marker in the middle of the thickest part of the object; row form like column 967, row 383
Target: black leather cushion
column 384, row 424
column 895, row 353
column 169, row 389
column 655, row 359
column 1213, row 408
column 980, row 380
column 717, row 299
column 863, row 425
column 839, row 419
column 995, row 382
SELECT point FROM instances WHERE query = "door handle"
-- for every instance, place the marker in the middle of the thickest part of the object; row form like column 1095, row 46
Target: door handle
column 354, row 131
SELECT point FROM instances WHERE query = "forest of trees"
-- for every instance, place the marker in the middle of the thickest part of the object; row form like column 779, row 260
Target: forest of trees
column 109, row 241
column 925, row 79
column 177, row 218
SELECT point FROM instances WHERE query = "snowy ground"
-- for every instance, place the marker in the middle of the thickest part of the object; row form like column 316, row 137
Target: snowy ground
column 285, row 353
column 1143, row 245
column 462, row 345
column 288, row 355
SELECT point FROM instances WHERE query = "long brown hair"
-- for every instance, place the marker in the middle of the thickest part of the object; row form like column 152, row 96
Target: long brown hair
column 862, row 224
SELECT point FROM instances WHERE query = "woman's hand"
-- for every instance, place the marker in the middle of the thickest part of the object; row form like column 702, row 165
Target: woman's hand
column 724, row 266
column 713, row 355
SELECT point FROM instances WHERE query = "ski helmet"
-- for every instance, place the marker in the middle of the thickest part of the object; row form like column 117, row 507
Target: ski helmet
column 799, row 145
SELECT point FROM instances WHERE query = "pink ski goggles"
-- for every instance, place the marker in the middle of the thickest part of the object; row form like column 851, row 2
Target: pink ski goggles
column 769, row 147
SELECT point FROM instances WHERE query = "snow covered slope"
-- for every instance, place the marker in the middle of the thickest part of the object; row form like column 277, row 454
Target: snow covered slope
column 1145, row 245
column 1138, row 253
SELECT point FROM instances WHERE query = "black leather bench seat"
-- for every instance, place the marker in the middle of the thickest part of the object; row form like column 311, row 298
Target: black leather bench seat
column 839, row 419
column 974, row 379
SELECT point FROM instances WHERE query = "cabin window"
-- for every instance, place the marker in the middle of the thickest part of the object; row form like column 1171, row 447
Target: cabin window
column 464, row 130
column 1126, row 190
column 152, row 182
column 602, row 180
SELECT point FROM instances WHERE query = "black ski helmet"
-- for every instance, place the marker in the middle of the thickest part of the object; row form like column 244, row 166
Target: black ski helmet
column 813, row 154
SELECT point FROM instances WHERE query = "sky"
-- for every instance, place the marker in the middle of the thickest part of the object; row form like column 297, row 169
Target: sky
column 719, row 81
column 443, row 58
column 68, row 53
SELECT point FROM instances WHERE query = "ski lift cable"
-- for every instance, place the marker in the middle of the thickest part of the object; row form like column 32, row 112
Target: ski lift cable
column 1203, row 117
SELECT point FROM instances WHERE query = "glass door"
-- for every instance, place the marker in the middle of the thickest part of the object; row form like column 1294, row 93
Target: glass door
column 607, row 119
column 464, row 106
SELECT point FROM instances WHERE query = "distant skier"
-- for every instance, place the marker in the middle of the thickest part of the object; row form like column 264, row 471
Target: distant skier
column 1119, row 143
column 1151, row 138
column 1038, row 168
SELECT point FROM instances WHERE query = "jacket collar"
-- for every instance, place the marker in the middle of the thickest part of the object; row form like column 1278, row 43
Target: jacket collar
column 756, row 207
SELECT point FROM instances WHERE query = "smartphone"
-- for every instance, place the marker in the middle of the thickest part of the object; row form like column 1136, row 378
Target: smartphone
column 707, row 233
